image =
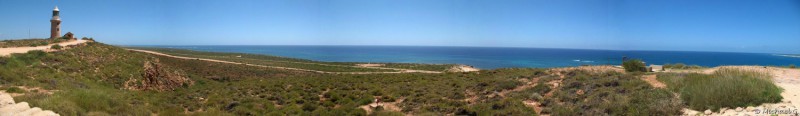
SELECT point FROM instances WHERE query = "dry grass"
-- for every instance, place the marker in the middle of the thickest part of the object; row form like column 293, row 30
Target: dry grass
column 726, row 87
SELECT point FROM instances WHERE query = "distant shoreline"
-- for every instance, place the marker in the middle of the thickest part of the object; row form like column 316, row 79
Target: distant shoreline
column 789, row 55
column 494, row 58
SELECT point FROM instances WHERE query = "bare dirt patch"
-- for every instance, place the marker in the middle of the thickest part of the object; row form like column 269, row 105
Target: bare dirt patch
column 651, row 79
column 370, row 65
column 388, row 106
column 11, row 50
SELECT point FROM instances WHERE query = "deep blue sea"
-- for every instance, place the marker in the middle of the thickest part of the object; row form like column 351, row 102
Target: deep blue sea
column 497, row 57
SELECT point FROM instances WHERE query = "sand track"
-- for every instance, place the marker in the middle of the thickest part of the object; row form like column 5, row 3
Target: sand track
column 9, row 51
column 399, row 70
column 652, row 80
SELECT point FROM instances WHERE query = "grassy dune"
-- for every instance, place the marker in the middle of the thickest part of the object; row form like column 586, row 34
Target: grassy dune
column 724, row 88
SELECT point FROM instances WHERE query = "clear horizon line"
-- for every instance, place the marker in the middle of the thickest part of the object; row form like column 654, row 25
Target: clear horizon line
column 473, row 46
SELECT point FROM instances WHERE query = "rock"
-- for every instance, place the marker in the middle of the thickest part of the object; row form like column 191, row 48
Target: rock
column 14, row 109
column 9, row 108
column 231, row 105
column 6, row 99
column 739, row 109
column 29, row 112
column 159, row 78
column 45, row 113
column 707, row 112
column 750, row 109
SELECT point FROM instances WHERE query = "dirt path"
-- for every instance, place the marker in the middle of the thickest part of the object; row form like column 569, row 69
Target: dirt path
column 788, row 79
column 651, row 79
column 288, row 68
column 9, row 51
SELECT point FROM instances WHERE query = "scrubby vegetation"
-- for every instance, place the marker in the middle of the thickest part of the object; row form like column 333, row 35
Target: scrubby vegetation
column 28, row 42
column 609, row 93
column 87, row 38
column 724, row 88
column 57, row 47
column 91, row 79
column 634, row 65
column 15, row 90
column 270, row 60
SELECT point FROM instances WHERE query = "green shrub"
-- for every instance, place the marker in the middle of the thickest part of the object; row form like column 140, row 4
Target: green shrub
column 724, row 88
column 609, row 93
column 15, row 90
column 792, row 66
column 503, row 107
column 57, row 47
column 634, row 65
column 541, row 88
column 507, row 84
column 387, row 113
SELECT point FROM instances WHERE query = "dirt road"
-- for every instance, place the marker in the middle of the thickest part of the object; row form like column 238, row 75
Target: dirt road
column 9, row 51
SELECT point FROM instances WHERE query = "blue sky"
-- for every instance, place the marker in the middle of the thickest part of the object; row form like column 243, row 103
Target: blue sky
column 769, row 26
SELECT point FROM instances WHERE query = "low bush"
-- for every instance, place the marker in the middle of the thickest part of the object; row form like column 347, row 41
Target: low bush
column 15, row 90
column 505, row 107
column 57, row 47
column 634, row 65
column 609, row 93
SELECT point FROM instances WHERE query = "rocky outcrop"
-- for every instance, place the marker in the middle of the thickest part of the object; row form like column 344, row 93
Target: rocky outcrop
column 159, row 78
column 9, row 108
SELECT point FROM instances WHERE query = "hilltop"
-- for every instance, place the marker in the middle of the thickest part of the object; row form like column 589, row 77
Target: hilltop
column 99, row 79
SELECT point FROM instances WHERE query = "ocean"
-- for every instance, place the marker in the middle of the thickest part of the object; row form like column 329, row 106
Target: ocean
column 499, row 57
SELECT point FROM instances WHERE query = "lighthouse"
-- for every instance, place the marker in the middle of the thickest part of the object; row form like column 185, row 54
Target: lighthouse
column 55, row 25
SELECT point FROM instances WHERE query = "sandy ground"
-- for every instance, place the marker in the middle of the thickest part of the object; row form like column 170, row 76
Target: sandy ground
column 370, row 65
column 9, row 51
column 788, row 79
column 652, row 80
column 464, row 68
column 388, row 106
column 288, row 68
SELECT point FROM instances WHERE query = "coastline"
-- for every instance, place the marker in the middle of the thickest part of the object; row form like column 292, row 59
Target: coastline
column 494, row 58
